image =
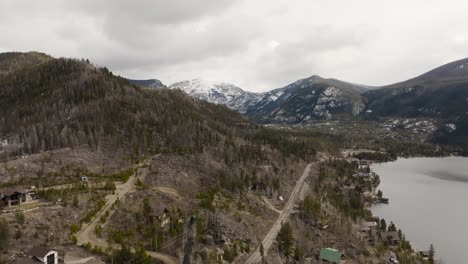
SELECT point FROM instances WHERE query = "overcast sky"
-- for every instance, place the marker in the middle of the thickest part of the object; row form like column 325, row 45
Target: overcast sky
column 255, row 44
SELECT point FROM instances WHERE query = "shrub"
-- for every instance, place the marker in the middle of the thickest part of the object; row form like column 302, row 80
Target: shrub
column 4, row 235
column 19, row 216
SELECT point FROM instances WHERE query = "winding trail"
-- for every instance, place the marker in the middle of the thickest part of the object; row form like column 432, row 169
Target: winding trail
column 87, row 232
column 270, row 237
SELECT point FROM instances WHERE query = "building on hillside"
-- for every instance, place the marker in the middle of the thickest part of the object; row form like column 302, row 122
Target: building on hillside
column 424, row 254
column 363, row 175
column 84, row 179
column 391, row 237
column 40, row 255
column 330, row 255
column 363, row 165
column 366, row 227
column 392, row 258
column 11, row 197
column 164, row 218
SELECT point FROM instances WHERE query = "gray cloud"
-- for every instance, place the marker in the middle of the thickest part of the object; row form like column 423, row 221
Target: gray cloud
column 256, row 44
column 150, row 11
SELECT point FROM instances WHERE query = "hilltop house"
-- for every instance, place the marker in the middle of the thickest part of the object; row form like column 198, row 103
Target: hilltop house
column 330, row 255
column 40, row 255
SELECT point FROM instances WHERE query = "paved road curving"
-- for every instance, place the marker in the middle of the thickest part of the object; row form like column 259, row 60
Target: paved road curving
column 270, row 237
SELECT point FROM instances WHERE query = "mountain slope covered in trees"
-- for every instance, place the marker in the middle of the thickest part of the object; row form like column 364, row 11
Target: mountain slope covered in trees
column 14, row 61
column 442, row 92
column 62, row 102
column 65, row 102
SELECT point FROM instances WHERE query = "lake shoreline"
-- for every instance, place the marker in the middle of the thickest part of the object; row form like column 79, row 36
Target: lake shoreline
column 421, row 188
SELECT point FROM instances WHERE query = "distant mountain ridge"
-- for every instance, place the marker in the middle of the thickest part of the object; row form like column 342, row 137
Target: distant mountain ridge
column 441, row 93
column 150, row 83
column 450, row 73
column 315, row 97
column 307, row 99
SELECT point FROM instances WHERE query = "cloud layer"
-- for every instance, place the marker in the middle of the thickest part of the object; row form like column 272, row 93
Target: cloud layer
column 255, row 44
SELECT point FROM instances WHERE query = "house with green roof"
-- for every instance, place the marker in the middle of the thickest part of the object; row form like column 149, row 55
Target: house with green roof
column 330, row 255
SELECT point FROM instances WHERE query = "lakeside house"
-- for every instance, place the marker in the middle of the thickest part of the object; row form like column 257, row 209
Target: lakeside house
column 363, row 165
column 364, row 175
column 330, row 255
column 391, row 237
column 11, row 197
column 40, row 255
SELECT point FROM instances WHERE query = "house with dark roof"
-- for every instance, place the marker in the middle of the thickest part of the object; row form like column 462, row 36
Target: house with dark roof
column 40, row 255
column 17, row 196
column 391, row 237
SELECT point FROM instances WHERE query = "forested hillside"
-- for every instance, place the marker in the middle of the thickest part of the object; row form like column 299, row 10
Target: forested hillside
column 60, row 103
column 14, row 61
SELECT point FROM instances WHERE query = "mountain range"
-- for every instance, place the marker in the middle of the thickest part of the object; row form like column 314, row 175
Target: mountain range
column 439, row 93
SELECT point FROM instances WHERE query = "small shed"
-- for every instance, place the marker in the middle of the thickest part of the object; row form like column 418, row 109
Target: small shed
column 330, row 255
column 44, row 255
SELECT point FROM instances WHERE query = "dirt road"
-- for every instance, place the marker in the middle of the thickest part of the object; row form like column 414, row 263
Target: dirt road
column 282, row 218
column 270, row 205
column 87, row 233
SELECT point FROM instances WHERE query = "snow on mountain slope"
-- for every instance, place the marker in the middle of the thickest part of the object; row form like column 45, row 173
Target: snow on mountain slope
column 308, row 99
column 218, row 93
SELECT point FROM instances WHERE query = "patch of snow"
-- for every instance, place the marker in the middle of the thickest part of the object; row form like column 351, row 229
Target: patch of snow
column 451, row 127
column 218, row 93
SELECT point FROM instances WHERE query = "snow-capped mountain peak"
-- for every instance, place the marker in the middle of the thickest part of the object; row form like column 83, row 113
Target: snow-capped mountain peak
column 217, row 92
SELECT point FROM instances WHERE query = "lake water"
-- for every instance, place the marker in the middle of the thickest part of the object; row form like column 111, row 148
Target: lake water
column 429, row 202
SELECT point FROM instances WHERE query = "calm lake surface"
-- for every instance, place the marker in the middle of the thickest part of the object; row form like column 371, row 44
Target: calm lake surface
column 429, row 202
